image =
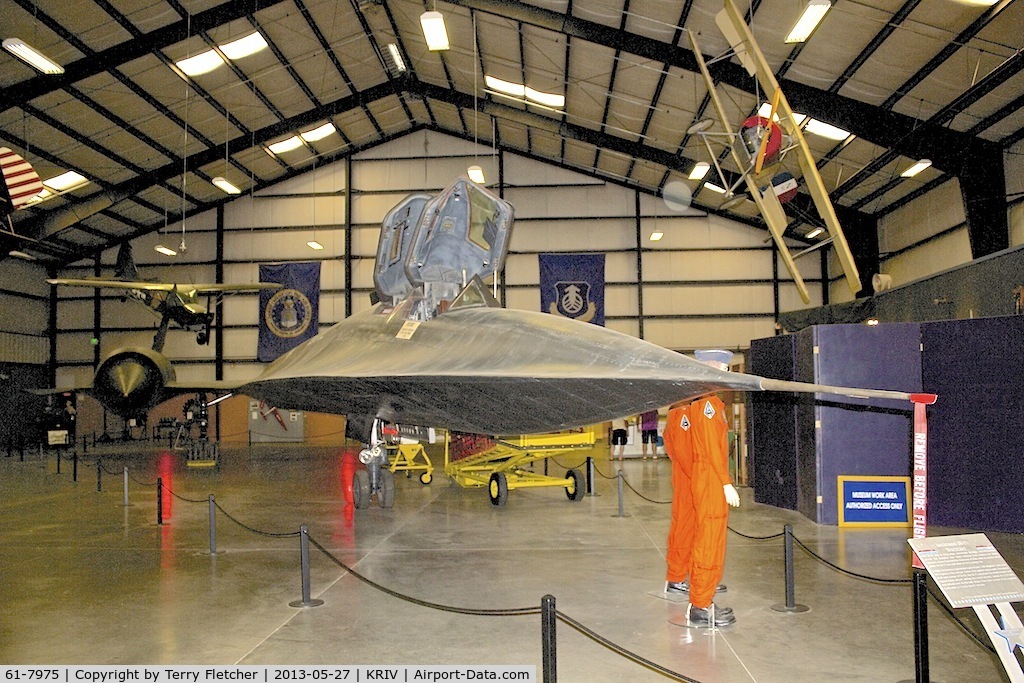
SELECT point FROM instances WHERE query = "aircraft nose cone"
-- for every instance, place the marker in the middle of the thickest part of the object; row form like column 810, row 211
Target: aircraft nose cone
column 128, row 376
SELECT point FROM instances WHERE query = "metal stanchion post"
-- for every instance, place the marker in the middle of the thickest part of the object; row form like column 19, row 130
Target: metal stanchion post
column 74, row 467
column 99, row 474
column 621, row 480
column 921, row 626
column 58, row 461
column 213, row 526
column 304, row 548
column 790, row 605
column 126, row 486
column 590, row 476
column 548, row 640
column 159, row 501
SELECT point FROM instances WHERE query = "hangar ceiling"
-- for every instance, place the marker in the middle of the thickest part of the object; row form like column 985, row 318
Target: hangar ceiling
column 909, row 79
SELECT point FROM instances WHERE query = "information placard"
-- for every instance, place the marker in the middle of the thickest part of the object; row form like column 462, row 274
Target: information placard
column 873, row 500
column 968, row 569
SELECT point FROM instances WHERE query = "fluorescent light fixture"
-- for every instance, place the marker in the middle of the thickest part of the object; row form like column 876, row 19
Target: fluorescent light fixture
column 524, row 92
column 808, row 21
column 244, row 46
column 506, row 87
column 43, row 195
column 294, row 142
column 657, row 235
column 700, row 169
column 916, row 168
column 66, row 181
column 318, row 133
column 826, row 130
column 814, row 233
column 225, row 185
column 166, row 251
column 434, row 31
column 396, row 57
column 313, row 244
column 21, row 254
column 202, row 63
column 219, row 399
column 715, row 188
column 545, row 98
column 476, row 174
column 33, row 57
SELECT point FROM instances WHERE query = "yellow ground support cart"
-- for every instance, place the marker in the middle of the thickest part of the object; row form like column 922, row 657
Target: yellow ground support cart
column 409, row 456
column 502, row 464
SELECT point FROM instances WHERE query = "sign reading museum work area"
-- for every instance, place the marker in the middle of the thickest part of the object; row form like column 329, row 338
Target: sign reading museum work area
column 874, row 501
column 968, row 569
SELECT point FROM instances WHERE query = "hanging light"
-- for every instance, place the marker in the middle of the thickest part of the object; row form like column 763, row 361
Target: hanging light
column 434, row 30
column 294, row 142
column 814, row 233
column 166, row 251
column 809, row 20
column 657, row 235
column 916, row 168
column 476, row 174
column 225, row 185
column 313, row 244
column 700, row 169
column 33, row 57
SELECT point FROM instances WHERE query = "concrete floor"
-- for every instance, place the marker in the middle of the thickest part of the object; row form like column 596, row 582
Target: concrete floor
column 87, row 580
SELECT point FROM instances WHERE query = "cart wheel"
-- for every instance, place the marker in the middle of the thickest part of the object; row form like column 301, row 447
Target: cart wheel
column 498, row 488
column 361, row 489
column 575, row 488
column 426, row 478
column 386, row 495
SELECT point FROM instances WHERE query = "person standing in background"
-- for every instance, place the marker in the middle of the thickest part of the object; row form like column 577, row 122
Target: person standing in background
column 649, row 432
column 620, row 434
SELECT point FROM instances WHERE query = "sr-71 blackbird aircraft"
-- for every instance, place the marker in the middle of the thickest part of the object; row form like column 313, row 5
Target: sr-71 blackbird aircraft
column 437, row 349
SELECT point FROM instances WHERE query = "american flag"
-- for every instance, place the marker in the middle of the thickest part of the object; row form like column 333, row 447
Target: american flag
column 20, row 179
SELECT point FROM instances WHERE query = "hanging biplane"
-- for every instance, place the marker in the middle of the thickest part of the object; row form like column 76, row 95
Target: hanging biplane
column 760, row 146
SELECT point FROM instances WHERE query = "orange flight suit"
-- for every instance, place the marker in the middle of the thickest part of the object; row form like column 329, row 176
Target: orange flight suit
column 680, row 531
column 709, row 434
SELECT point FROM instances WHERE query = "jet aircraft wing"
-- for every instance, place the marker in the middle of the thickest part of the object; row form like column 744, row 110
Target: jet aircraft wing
column 489, row 370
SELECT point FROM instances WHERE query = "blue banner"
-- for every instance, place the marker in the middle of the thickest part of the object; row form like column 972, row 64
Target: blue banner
column 572, row 285
column 290, row 315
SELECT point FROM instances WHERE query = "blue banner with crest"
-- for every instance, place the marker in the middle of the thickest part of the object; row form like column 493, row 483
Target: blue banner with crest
column 572, row 285
column 290, row 315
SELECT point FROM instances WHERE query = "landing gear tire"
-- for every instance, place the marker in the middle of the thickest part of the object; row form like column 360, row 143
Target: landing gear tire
column 361, row 489
column 575, row 488
column 426, row 478
column 386, row 495
column 498, row 488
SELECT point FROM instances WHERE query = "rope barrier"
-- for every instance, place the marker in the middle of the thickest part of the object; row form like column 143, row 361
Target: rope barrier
column 847, row 571
column 187, row 500
column 632, row 656
column 949, row 611
column 286, row 534
column 508, row 612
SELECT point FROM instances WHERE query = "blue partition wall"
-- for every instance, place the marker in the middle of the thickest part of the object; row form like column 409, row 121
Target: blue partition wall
column 976, row 429
column 800, row 445
column 771, row 425
column 857, row 437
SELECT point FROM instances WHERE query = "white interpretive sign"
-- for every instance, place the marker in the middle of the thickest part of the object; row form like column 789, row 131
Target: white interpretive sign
column 968, row 569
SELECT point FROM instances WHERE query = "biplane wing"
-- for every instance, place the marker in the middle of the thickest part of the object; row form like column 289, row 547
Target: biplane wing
column 730, row 21
column 767, row 203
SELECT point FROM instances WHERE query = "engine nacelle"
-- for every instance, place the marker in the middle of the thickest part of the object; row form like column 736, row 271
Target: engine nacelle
column 131, row 381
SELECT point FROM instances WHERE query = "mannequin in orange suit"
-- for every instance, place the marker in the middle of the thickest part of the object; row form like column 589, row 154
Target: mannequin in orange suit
column 680, row 533
column 710, row 494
